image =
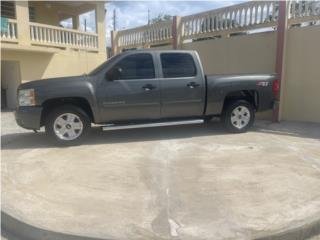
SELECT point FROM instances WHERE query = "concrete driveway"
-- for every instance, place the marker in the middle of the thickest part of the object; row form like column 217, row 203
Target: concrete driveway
column 185, row 182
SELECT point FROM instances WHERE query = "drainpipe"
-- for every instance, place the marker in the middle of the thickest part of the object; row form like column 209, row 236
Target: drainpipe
column 280, row 59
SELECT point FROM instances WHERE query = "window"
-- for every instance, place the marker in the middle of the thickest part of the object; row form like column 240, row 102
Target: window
column 177, row 65
column 137, row 66
column 8, row 9
column 87, row 21
column 67, row 23
column 32, row 14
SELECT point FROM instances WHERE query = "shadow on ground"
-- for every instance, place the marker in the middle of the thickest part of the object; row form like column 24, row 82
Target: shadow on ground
column 40, row 140
column 14, row 229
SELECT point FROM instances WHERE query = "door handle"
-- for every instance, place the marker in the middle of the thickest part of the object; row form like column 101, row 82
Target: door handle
column 193, row 85
column 148, row 87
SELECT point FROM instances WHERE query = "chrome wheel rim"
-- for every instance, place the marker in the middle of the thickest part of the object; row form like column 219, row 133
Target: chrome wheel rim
column 68, row 126
column 240, row 117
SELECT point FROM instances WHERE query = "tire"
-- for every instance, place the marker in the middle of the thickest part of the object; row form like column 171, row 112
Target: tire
column 238, row 116
column 67, row 125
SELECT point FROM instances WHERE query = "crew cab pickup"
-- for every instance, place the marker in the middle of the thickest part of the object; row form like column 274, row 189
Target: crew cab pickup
column 142, row 88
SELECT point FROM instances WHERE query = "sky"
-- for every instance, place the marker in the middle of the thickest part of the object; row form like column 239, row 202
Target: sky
column 130, row 14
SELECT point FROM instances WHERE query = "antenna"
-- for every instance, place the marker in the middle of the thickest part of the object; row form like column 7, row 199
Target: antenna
column 114, row 20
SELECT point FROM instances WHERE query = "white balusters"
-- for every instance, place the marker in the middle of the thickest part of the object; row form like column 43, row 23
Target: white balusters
column 11, row 32
column 57, row 36
column 158, row 32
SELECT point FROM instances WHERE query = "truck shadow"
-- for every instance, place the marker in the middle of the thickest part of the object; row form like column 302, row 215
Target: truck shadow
column 39, row 140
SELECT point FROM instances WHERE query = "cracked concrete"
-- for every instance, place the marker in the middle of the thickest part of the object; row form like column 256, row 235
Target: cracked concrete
column 185, row 182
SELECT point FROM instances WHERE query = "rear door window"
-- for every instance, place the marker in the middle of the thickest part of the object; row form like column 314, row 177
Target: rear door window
column 175, row 65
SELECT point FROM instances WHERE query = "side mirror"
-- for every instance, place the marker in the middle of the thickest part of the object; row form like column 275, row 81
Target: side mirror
column 113, row 74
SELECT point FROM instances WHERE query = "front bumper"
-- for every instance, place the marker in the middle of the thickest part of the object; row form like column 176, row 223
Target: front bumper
column 29, row 117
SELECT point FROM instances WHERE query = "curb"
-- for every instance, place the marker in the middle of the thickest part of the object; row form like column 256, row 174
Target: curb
column 13, row 228
column 304, row 231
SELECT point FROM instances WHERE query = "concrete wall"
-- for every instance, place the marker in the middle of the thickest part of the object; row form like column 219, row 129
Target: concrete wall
column 301, row 96
column 240, row 54
column 38, row 65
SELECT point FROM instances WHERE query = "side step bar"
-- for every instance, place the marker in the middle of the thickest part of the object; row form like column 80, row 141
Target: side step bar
column 110, row 127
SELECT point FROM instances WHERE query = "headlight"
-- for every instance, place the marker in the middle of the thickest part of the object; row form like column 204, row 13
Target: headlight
column 27, row 97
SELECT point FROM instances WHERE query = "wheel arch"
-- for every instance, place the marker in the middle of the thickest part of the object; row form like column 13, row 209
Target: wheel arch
column 79, row 102
column 252, row 96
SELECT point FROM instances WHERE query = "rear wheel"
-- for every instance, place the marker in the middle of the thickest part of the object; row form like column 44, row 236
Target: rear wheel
column 238, row 116
column 67, row 125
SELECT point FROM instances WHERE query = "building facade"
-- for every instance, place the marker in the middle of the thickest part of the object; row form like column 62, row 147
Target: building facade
column 42, row 39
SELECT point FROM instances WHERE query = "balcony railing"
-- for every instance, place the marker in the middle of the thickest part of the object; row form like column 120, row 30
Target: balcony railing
column 10, row 34
column 42, row 34
column 235, row 18
column 155, row 33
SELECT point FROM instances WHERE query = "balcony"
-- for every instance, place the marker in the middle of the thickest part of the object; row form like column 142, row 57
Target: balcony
column 44, row 31
column 52, row 36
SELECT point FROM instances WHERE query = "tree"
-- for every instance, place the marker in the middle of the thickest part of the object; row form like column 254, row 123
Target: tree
column 161, row 18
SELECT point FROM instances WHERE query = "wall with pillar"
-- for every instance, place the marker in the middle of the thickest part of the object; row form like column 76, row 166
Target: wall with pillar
column 301, row 95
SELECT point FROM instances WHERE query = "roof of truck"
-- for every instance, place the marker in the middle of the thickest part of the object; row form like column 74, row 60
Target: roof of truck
column 157, row 50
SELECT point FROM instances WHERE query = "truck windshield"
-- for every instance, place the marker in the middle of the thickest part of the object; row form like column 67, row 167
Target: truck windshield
column 104, row 65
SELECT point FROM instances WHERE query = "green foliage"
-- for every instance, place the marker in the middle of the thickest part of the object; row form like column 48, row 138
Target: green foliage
column 160, row 18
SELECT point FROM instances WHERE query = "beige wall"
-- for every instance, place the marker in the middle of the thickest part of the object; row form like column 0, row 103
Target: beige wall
column 239, row 54
column 38, row 65
column 301, row 99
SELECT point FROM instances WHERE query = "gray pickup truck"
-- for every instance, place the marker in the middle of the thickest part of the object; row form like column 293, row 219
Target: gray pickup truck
column 143, row 88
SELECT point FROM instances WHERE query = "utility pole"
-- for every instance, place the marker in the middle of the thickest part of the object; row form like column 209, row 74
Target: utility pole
column 148, row 16
column 114, row 20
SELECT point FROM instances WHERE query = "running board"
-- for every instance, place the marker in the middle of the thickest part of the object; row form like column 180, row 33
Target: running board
column 110, row 127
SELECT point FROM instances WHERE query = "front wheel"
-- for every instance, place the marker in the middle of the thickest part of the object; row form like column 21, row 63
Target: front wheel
column 67, row 125
column 238, row 116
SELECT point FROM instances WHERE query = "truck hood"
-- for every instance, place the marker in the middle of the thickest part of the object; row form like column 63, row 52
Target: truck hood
column 53, row 82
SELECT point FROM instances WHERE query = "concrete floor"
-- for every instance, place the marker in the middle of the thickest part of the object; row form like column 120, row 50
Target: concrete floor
column 185, row 182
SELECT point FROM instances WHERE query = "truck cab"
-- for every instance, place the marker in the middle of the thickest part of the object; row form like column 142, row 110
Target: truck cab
column 150, row 85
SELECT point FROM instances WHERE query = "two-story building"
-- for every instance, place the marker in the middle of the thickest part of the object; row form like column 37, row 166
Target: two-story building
column 45, row 39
